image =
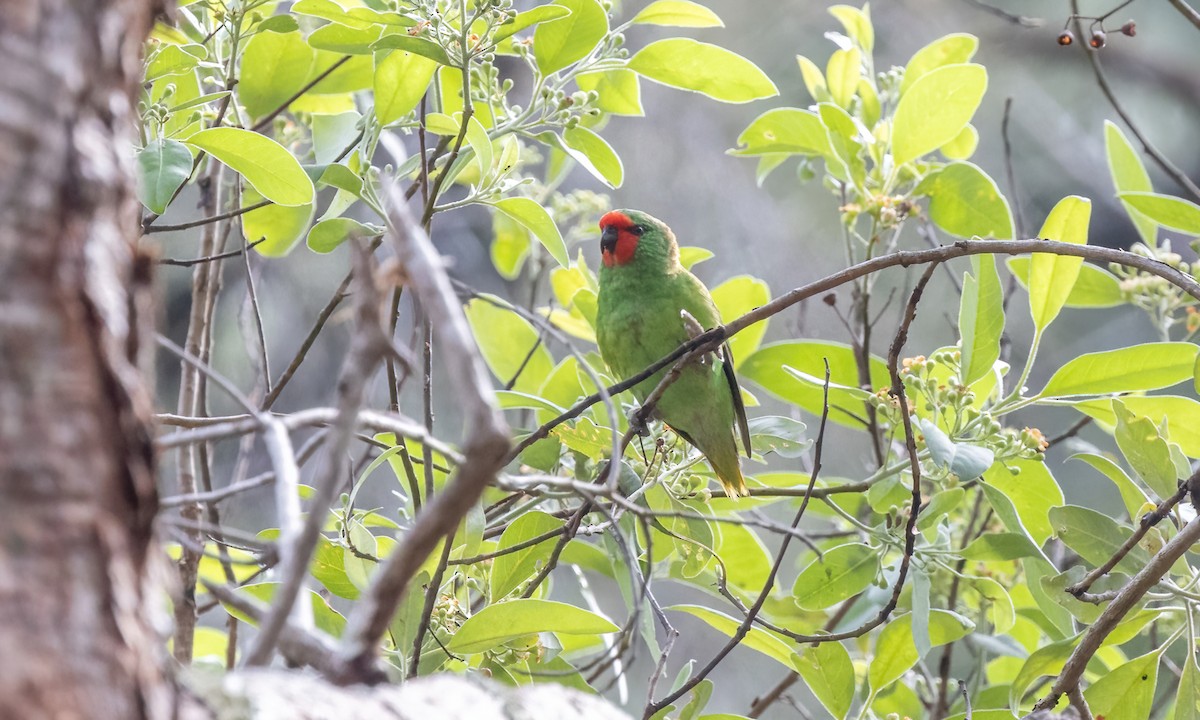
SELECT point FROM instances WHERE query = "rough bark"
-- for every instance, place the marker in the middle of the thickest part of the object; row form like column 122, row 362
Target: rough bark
column 77, row 495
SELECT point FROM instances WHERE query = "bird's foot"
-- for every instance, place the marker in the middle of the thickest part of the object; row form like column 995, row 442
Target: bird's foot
column 637, row 423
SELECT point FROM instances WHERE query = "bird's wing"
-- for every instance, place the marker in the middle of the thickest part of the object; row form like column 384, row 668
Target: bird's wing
column 739, row 408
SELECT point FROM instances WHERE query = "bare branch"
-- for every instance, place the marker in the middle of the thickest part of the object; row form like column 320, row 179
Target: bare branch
column 485, row 449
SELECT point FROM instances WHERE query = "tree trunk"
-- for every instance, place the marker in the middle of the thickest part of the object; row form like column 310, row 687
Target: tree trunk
column 77, row 496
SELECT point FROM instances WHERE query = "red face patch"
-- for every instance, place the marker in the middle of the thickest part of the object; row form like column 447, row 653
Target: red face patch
column 619, row 238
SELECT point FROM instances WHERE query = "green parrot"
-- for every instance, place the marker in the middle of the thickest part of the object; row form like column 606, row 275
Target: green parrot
column 648, row 306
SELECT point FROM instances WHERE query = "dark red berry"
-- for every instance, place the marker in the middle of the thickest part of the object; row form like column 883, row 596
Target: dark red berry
column 1129, row 28
column 1066, row 37
column 1098, row 39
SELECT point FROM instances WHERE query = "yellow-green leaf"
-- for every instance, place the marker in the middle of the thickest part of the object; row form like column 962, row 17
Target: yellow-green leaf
column 264, row 163
column 1051, row 277
column 501, row 622
column 699, row 67
column 677, row 13
column 1129, row 175
column 1148, row 366
column 936, row 109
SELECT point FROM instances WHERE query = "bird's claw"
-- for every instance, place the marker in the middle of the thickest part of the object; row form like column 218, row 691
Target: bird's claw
column 637, row 423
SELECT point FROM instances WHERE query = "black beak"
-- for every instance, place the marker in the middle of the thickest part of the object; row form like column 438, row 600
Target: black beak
column 608, row 240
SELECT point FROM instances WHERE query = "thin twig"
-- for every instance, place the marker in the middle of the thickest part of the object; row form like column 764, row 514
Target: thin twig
column 318, row 325
column 264, row 359
column 1102, row 80
column 768, row 585
column 266, row 119
column 1188, row 12
column 1014, row 192
column 149, row 230
column 196, row 261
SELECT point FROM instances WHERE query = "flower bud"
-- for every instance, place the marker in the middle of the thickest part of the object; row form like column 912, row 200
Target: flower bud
column 1099, row 39
column 1066, row 37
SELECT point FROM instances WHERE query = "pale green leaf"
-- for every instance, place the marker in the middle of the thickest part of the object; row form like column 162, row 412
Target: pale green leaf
column 736, row 297
column 993, row 546
column 1126, row 693
column 595, row 155
column 1187, row 700
column 1132, row 496
column 767, row 368
column 535, row 219
column 784, row 130
column 280, row 227
column 427, row 49
column 529, row 18
column 1129, row 174
column 948, row 50
column 963, row 146
column 1051, row 277
column 713, row 71
column 505, row 339
column 332, row 232
column 275, row 66
column 980, row 319
column 677, row 13
column 857, row 23
column 1145, row 450
column 620, row 90
column 895, row 651
column 842, row 74
column 1171, row 212
column 1094, row 288
column 965, row 201
column 1095, row 537
column 966, row 460
column 1032, row 493
column 558, row 43
column 828, row 672
column 814, row 79
column 511, row 569
column 838, row 574
column 1148, row 366
column 757, row 639
column 936, row 109
column 401, row 79
column 501, row 622
column 268, row 166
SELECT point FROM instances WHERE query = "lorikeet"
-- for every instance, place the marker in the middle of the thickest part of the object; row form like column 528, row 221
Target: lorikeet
column 647, row 302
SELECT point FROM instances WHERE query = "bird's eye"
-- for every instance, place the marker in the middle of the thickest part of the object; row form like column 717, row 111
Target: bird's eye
column 637, row 230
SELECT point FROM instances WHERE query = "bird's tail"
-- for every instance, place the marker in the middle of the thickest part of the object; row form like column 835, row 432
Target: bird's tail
column 729, row 471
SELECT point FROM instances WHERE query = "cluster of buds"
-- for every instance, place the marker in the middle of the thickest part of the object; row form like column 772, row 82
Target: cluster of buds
column 519, row 650
column 447, row 615
column 889, row 210
column 1098, row 37
column 1157, row 296
column 689, row 487
column 1011, row 444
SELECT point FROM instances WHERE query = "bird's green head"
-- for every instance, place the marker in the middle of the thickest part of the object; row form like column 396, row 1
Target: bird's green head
column 632, row 236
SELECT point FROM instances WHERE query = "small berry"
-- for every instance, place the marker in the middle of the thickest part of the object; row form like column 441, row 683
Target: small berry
column 1098, row 39
column 1129, row 28
column 1066, row 37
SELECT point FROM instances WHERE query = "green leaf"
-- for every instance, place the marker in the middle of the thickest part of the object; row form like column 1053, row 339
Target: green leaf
column 509, row 571
column 510, row 246
column 895, row 651
column 966, row 460
column 949, row 50
column 401, row 79
column 963, row 146
column 980, row 319
column 595, row 155
column 620, row 91
column 280, row 227
column 858, row 25
column 842, row 74
column 1132, row 496
column 1000, row 546
column 268, row 166
column 275, row 66
column 677, row 13
column 1032, row 493
column 1129, row 174
column 828, row 672
column 757, row 639
column 1001, row 611
column 966, row 202
column 1184, row 413
column 427, row 49
column 1187, row 701
column 346, row 40
column 838, row 574
column 747, row 562
column 505, row 340
column 1126, row 693
column 736, row 297
column 1094, row 288
column 936, row 109
column 1051, row 277
column 1095, row 537
column 528, row 19
column 332, row 133
column 767, row 367
column 163, row 166
column 328, row 234
column 1148, row 366
column 500, row 622
column 814, row 79
column 780, row 435
column 1171, row 212
column 784, row 130
column 535, row 219
column 699, row 67
column 1046, row 660
column 689, row 257
column 558, row 43
column 1145, row 450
